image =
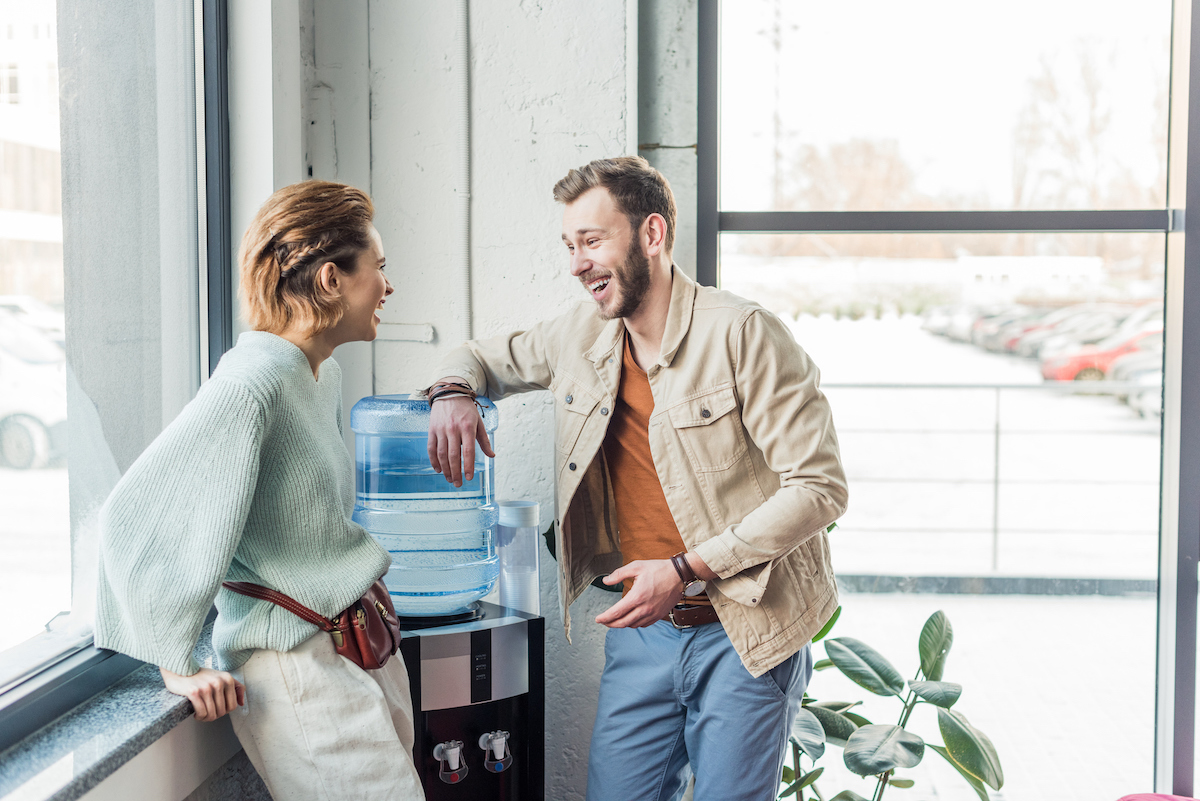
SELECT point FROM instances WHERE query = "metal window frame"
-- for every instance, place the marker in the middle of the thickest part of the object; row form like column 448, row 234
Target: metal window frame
column 1179, row 584
column 66, row 682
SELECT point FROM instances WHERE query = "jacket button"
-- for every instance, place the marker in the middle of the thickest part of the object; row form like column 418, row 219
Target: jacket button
column 604, row 410
column 752, row 600
column 569, row 398
column 610, row 361
column 705, row 413
column 571, row 466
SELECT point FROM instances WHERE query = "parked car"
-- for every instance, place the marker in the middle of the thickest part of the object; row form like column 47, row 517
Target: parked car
column 1147, row 357
column 1081, row 324
column 1147, row 402
column 1091, row 362
column 33, row 396
column 986, row 329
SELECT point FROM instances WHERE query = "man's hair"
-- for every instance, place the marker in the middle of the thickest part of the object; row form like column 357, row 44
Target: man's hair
column 298, row 229
column 638, row 189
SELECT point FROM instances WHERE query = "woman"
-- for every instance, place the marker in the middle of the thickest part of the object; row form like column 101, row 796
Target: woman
column 252, row 482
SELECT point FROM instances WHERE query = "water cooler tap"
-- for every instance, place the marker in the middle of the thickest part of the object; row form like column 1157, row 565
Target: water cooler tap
column 451, row 767
column 497, row 757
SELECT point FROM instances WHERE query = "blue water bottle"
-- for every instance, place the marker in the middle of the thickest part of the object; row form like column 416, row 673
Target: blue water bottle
column 442, row 538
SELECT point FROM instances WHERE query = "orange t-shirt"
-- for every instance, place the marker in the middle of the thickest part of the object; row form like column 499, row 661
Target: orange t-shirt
column 647, row 529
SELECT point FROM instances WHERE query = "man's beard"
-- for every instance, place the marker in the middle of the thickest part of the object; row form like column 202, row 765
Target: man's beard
column 634, row 282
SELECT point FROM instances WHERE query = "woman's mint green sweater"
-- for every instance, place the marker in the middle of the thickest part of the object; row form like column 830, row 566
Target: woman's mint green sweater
column 252, row 482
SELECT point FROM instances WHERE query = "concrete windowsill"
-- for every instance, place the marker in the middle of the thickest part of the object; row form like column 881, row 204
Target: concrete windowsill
column 74, row 753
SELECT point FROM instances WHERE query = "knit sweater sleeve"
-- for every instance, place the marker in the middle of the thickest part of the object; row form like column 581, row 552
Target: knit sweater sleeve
column 169, row 530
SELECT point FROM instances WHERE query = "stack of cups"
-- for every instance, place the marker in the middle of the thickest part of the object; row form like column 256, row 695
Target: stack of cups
column 518, row 551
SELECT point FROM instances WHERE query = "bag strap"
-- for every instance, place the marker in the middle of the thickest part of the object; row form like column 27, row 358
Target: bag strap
column 279, row 599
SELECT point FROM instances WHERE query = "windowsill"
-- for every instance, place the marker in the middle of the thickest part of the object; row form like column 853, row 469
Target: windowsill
column 69, row 756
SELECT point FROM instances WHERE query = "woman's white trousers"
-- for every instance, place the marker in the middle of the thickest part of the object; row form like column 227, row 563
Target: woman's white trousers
column 317, row 726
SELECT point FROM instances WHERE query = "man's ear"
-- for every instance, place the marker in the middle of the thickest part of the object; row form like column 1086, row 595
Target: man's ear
column 654, row 236
column 329, row 279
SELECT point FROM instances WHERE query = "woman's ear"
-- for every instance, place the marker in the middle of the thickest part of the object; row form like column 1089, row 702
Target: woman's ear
column 328, row 279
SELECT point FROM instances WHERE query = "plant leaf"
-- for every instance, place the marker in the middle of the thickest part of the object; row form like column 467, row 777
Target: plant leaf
column 820, row 635
column 838, row 727
column 810, row 777
column 857, row 719
column 976, row 785
column 872, row 750
column 865, row 666
column 937, row 636
column 904, row 783
column 823, row 664
column 939, row 693
column 789, row 775
column 847, row 795
column 836, row 706
column 808, row 733
column 970, row 748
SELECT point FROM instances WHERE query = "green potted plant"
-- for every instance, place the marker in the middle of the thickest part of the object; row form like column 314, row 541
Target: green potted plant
column 880, row 750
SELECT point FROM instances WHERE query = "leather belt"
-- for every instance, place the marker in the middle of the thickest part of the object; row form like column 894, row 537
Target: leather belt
column 685, row 616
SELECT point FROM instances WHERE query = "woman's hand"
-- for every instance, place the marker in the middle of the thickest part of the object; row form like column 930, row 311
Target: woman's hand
column 213, row 693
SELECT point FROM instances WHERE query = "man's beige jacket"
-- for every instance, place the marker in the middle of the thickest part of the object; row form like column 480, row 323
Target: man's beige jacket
column 742, row 439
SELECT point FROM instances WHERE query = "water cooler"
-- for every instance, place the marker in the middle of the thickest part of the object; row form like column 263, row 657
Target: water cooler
column 476, row 668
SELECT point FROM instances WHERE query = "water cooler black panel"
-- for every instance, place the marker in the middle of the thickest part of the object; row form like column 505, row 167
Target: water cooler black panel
column 471, row 679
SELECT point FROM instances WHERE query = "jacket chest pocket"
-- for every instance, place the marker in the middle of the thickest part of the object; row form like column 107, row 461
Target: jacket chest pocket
column 710, row 429
column 572, row 406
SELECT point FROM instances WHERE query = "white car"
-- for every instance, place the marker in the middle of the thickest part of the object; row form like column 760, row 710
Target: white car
column 33, row 395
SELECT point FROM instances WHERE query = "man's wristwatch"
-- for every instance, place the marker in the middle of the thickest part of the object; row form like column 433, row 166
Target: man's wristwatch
column 692, row 584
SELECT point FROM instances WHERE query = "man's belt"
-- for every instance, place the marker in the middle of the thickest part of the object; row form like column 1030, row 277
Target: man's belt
column 685, row 616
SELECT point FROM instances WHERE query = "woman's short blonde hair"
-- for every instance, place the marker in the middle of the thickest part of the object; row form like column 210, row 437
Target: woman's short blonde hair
column 298, row 229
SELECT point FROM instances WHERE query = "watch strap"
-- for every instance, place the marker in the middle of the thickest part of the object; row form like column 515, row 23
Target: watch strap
column 683, row 568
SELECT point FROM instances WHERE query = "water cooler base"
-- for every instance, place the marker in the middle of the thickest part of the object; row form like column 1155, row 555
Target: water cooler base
column 471, row 681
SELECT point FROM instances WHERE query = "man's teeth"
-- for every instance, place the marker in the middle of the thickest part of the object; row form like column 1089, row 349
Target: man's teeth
column 597, row 286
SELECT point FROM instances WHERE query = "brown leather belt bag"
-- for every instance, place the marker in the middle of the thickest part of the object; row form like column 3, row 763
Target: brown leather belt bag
column 367, row 632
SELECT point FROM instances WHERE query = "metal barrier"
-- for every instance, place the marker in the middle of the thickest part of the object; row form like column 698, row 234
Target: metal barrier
column 998, row 432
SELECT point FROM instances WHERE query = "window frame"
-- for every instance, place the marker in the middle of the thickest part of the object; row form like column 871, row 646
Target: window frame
column 1176, row 718
column 54, row 683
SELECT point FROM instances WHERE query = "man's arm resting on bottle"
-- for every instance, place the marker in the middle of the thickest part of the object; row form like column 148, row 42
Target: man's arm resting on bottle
column 455, row 425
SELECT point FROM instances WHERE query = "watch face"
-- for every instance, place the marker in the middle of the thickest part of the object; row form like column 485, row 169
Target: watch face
column 694, row 588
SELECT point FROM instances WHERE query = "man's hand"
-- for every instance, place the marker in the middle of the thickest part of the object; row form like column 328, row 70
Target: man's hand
column 213, row 693
column 656, row 588
column 454, row 427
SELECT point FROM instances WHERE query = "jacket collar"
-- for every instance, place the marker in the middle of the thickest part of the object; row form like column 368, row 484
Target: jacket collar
column 679, row 320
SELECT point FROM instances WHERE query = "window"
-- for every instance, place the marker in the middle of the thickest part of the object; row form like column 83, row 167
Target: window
column 945, row 204
column 102, row 214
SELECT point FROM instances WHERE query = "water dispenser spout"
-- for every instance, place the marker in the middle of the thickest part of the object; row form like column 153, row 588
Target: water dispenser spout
column 451, row 768
column 497, row 756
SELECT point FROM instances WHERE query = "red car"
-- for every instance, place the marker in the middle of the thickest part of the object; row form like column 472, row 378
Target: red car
column 1091, row 362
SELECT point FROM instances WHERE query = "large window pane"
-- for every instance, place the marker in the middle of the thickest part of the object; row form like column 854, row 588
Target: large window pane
column 998, row 403
column 99, row 282
column 34, row 524
column 937, row 104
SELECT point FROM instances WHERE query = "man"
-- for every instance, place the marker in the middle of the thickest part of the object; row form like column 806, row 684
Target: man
column 698, row 464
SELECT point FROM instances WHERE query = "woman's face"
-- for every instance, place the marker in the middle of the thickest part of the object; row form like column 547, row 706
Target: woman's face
column 364, row 292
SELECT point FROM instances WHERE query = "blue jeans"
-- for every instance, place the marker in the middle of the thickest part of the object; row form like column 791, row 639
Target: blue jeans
column 674, row 702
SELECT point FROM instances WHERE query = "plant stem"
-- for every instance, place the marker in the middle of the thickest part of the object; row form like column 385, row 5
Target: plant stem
column 883, row 780
column 910, row 703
